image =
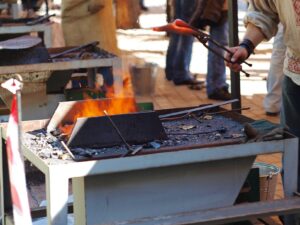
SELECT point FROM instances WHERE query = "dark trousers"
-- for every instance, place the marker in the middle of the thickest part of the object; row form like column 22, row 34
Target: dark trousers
column 29, row 4
column 180, row 47
column 290, row 118
column 291, row 110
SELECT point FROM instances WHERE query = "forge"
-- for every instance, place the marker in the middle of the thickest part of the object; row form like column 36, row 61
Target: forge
column 85, row 124
column 89, row 134
column 201, row 166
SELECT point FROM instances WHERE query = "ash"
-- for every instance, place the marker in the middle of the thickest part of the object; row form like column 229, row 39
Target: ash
column 45, row 145
column 204, row 130
column 189, row 131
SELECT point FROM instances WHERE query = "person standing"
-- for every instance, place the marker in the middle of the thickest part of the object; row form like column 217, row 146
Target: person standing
column 272, row 101
column 261, row 22
column 214, row 14
column 179, row 51
column 85, row 21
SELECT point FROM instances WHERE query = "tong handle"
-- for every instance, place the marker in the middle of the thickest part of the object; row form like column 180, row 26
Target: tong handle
column 181, row 23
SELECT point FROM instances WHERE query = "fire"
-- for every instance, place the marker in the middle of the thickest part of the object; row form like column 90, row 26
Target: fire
column 116, row 103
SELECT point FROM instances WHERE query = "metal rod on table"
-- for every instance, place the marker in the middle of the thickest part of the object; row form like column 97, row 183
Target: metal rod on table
column 92, row 44
column 67, row 149
column 198, row 109
column 118, row 132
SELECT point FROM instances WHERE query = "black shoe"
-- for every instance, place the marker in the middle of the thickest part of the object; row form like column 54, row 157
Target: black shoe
column 272, row 113
column 144, row 8
column 220, row 94
column 169, row 75
column 190, row 81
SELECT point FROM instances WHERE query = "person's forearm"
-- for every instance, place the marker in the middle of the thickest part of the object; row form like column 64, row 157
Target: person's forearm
column 243, row 51
column 254, row 34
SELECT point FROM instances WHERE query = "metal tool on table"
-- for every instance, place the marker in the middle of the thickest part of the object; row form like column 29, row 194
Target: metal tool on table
column 75, row 49
column 23, row 50
column 39, row 20
column 22, row 42
column 188, row 111
column 130, row 151
column 181, row 27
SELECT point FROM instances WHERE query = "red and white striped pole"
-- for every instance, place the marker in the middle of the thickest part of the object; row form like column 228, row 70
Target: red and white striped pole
column 20, row 203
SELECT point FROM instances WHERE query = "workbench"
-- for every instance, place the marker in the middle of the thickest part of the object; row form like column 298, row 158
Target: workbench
column 178, row 187
column 43, row 30
column 36, row 102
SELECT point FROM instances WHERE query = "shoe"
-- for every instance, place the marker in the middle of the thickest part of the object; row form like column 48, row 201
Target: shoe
column 190, row 81
column 196, row 86
column 272, row 113
column 144, row 8
column 169, row 78
column 220, row 94
column 169, row 75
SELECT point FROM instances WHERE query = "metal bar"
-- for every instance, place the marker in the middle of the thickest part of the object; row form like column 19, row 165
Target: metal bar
column 119, row 133
column 225, row 214
column 198, row 109
column 68, row 150
column 39, row 20
column 95, row 43
column 234, row 41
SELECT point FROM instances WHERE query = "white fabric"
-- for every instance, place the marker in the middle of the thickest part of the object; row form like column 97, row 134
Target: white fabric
column 266, row 14
column 272, row 101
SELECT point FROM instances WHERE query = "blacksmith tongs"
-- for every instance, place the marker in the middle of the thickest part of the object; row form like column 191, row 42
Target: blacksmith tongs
column 181, row 27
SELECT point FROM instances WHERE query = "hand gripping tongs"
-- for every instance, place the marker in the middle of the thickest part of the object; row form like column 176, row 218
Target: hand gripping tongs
column 181, row 27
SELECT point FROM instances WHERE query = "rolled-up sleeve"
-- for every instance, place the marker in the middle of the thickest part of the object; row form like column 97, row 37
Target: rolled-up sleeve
column 263, row 14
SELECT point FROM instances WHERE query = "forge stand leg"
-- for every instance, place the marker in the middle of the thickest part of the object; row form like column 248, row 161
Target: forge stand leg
column 290, row 178
column 57, row 198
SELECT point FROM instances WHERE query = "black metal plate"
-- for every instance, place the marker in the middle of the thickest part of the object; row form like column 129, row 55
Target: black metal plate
column 37, row 54
column 136, row 128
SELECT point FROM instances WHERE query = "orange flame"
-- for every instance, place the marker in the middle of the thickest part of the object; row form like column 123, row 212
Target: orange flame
column 115, row 103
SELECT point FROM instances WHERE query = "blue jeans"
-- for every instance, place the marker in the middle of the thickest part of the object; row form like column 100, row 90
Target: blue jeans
column 216, row 72
column 180, row 46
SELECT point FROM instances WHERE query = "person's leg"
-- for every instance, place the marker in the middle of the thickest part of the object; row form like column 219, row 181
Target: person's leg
column 216, row 72
column 171, row 55
column 142, row 5
column 180, row 47
column 272, row 101
column 291, row 110
column 183, row 59
column 290, row 118
column 107, row 74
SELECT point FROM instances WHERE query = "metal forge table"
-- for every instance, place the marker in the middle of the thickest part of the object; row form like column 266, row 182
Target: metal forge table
column 43, row 30
column 163, row 188
column 36, row 102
